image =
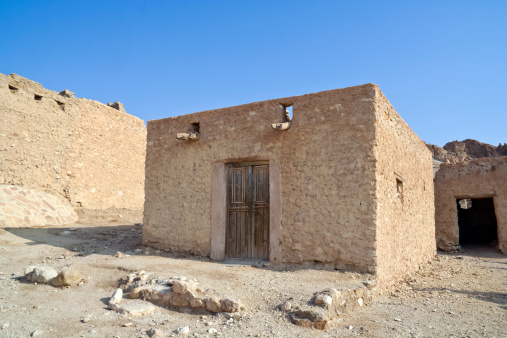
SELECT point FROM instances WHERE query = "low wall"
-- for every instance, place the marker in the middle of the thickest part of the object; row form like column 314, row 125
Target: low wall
column 20, row 207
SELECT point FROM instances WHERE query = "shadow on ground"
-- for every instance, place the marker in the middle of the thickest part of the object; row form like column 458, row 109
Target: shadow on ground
column 105, row 240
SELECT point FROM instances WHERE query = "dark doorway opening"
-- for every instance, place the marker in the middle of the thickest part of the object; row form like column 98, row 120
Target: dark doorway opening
column 477, row 221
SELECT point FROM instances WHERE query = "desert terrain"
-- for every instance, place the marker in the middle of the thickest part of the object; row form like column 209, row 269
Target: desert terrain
column 455, row 295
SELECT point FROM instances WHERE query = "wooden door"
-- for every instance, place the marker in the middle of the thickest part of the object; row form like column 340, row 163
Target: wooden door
column 248, row 211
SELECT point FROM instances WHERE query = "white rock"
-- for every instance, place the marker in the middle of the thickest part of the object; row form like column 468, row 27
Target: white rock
column 137, row 308
column 183, row 330
column 212, row 331
column 86, row 319
column 360, row 301
column 350, row 327
column 323, row 299
column 41, row 274
column 5, row 325
column 116, row 297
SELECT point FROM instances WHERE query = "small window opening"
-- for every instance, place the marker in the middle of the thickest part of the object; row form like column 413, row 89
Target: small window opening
column 37, row 97
column 195, row 127
column 60, row 103
column 287, row 111
column 13, row 89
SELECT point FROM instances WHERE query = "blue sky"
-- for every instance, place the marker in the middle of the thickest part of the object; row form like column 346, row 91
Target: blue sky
column 442, row 64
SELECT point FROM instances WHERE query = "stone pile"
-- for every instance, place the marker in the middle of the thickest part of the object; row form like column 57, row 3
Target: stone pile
column 177, row 292
column 46, row 274
column 327, row 306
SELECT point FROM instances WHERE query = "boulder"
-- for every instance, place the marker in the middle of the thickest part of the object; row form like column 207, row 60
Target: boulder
column 40, row 274
column 68, row 277
column 115, row 299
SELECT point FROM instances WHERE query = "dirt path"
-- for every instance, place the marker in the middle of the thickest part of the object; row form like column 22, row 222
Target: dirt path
column 459, row 295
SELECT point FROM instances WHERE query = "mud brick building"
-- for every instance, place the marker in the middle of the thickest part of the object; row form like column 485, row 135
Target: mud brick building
column 343, row 182
column 471, row 203
column 83, row 151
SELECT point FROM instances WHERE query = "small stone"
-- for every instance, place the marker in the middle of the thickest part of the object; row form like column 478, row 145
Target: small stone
column 65, row 233
column 286, row 307
column 182, row 287
column 155, row 333
column 350, row 327
column 127, row 324
column 35, row 333
column 183, row 330
column 322, row 299
column 230, row 305
column 212, row 331
column 360, row 301
column 5, row 325
column 117, row 105
column 213, row 304
column 137, row 308
column 86, row 319
column 397, row 319
column 66, row 93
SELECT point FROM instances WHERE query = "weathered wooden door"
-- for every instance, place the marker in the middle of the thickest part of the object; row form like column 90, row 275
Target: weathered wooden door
column 248, row 210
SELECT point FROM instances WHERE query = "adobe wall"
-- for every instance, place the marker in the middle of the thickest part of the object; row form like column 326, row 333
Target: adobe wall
column 80, row 149
column 484, row 177
column 405, row 222
column 326, row 170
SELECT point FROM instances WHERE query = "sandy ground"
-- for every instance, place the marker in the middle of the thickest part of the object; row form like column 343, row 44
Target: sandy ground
column 455, row 295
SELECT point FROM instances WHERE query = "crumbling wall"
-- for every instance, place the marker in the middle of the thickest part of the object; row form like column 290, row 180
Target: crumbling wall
column 478, row 178
column 326, row 166
column 405, row 205
column 85, row 151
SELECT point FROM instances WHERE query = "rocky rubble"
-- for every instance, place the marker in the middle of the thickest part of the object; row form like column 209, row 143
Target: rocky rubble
column 327, row 306
column 177, row 292
column 46, row 274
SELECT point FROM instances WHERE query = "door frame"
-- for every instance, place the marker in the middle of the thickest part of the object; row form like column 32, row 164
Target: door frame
column 219, row 209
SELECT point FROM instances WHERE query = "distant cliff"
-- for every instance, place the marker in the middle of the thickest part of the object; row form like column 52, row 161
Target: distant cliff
column 459, row 151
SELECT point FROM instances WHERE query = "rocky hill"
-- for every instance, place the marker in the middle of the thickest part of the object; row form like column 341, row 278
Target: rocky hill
column 466, row 150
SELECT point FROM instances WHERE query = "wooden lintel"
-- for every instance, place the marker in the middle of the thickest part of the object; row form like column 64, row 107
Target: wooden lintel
column 187, row 136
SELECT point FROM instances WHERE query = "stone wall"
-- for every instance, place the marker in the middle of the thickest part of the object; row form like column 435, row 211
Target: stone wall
column 405, row 205
column 479, row 178
column 26, row 207
column 336, row 167
column 89, row 153
column 326, row 172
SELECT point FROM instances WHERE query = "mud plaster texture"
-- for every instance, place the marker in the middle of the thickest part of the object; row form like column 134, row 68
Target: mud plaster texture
column 336, row 168
column 89, row 153
column 484, row 177
column 25, row 207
